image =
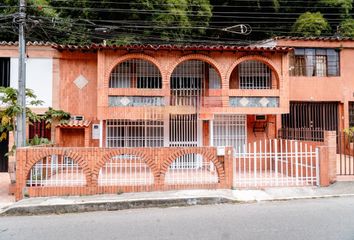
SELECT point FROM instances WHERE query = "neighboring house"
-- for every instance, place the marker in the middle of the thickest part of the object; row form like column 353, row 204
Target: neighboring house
column 321, row 85
column 40, row 72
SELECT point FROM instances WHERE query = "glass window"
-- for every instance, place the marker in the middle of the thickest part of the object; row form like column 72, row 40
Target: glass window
column 319, row 62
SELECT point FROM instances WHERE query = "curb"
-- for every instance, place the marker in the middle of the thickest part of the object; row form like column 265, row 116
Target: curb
column 31, row 210
column 111, row 206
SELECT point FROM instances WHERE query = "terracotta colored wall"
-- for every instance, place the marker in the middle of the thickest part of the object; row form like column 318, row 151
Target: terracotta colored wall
column 270, row 132
column 339, row 88
column 71, row 98
column 72, row 137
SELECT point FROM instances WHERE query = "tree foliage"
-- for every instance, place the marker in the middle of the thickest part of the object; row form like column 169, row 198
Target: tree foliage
column 11, row 107
column 311, row 25
column 175, row 21
column 346, row 28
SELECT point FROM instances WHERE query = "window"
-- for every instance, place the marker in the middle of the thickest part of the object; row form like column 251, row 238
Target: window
column 4, row 72
column 351, row 114
column 40, row 129
column 315, row 62
column 135, row 73
column 254, row 75
column 134, row 133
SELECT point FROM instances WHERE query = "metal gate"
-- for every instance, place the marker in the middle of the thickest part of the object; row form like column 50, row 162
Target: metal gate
column 308, row 120
column 276, row 163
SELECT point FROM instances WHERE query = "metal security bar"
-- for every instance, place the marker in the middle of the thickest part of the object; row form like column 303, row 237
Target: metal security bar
column 276, row 163
column 4, row 72
column 56, row 170
column 254, row 75
column 183, row 130
column 135, row 73
column 134, row 133
column 189, row 81
column 320, row 116
column 125, row 170
column 135, row 101
column 305, row 134
column 231, row 131
column 191, row 169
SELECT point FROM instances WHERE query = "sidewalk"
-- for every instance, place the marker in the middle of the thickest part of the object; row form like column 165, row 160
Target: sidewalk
column 5, row 198
column 57, row 205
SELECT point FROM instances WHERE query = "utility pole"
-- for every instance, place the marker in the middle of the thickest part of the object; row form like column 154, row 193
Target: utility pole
column 21, row 117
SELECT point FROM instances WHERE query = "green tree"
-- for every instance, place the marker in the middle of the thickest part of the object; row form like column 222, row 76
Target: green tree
column 346, row 28
column 311, row 25
column 345, row 5
column 11, row 107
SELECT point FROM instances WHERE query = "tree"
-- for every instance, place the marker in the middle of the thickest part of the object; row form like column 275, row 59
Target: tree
column 346, row 28
column 311, row 25
column 9, row 96
column 345, row 5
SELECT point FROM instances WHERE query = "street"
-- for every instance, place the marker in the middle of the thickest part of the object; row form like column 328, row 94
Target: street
column 298, row 220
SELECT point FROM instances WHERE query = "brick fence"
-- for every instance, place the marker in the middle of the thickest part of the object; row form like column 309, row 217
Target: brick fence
column 91, row 160
column 216, row 171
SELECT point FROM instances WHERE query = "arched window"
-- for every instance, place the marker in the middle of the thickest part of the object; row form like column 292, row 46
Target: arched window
column 135, row 73
column 251, row 74
column 189, row 81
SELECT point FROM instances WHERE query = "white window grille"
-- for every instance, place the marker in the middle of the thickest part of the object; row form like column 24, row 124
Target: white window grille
column 189, row 81
column 183, row 130
column 56, row 170
column 125, row 170
column 254, row 75
column 135, row 73
column 230, row 131
column 134, row 133
column 191, row 169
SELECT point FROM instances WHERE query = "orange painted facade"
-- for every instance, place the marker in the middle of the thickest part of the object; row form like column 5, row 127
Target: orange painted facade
column 96, row 66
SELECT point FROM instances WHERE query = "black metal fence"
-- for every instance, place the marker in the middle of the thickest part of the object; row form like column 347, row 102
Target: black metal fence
column 304, row 134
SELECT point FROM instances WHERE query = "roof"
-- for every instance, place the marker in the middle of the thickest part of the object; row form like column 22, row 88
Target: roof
column 330, row 39
column 172, row 47
column 75, row 124
column 40, row 43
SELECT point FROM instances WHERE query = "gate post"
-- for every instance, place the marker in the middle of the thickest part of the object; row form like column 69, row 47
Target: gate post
column 330, row 141
column 328, row 159
column 228, row 167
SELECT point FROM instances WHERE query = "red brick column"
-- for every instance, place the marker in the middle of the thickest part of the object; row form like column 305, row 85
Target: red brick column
column 20, row 173
column 331, row 143
column 328, row 159
column 228, row 167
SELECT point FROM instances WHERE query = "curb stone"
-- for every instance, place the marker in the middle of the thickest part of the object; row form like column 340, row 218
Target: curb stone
column 143, row 203
column 111, row 206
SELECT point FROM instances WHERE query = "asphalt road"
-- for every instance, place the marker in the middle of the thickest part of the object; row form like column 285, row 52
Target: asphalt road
column 299, row 220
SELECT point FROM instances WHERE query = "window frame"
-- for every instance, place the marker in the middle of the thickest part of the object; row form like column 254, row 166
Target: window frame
column 311, row 69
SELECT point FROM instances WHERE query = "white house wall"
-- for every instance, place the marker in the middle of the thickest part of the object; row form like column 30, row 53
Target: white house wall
column 39, row 77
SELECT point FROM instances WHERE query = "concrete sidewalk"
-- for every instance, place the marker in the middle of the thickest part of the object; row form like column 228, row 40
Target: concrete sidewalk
column 72, row 204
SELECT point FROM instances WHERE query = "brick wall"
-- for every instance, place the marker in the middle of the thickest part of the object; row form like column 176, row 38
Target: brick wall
column 91, row 160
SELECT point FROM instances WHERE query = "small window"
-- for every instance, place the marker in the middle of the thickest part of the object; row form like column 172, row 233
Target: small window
column 41, row 129
column 261, row 118
column 4, row 72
